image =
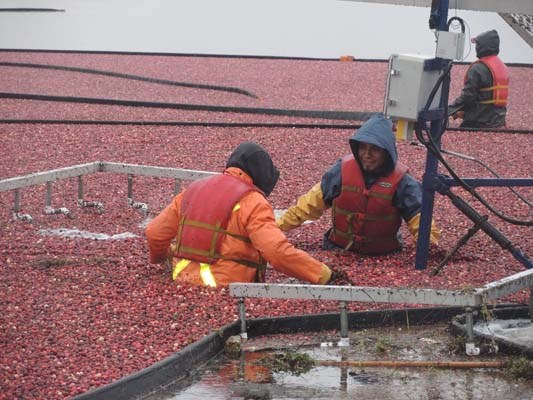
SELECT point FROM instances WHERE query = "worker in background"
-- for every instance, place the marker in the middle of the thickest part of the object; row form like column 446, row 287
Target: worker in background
column 224, row 229
column 483, row 100
column 368, row 191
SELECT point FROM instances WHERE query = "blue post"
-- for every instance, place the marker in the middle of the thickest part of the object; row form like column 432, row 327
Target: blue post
column 432, row 182
column 439, row 17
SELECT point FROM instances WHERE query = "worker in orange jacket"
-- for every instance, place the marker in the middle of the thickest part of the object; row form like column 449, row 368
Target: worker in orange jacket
column 222, row 229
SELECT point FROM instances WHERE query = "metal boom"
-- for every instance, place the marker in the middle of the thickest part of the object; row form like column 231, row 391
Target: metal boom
column 508, row 6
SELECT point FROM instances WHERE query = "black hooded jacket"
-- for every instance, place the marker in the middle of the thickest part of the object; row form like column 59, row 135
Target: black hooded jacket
column 253, row 159
column 479, row 76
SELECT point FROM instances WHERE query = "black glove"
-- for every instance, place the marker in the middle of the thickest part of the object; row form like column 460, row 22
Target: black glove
column 340, row 278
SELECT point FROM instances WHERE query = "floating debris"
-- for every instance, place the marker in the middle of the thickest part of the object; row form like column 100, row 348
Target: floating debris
column 76, row 233
column 288, row 361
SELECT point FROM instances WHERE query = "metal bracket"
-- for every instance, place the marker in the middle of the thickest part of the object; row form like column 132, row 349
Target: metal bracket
column 242, row 315
column 471, row 232
column 83, row 203
column 23, row 217
column 345, row 339
column 143, row 207
column 48, row 210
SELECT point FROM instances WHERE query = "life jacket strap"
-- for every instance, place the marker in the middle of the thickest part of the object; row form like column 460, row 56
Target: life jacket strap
column 366, row 192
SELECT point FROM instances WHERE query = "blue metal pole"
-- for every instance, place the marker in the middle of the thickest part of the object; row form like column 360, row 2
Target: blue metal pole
column 426, row 213
column 440, row 16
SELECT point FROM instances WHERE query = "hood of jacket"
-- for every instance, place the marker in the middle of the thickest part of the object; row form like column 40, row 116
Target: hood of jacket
column 487, row 44
column 253, row 159
column 377, row 131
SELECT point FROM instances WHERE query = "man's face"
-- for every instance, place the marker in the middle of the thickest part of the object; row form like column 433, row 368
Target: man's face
column 371, row 157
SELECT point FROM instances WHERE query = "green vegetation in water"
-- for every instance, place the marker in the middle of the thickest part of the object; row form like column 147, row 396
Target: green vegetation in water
column 46, row 263
column 520, row 367
column 383, row 345
column 457, row 344
column 232, row 347
column 288, row 361
column 487, row 309
column 467, row 289
column 97, row 260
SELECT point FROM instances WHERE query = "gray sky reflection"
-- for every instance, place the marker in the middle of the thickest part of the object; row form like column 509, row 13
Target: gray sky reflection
column 290, row 28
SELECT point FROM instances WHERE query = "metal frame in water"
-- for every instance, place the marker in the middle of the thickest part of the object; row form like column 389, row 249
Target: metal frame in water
column 468, row 299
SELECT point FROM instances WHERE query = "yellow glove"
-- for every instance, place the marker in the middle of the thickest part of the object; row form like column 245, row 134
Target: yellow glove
column 414, row 224
column 325, row 276
column 310, row 206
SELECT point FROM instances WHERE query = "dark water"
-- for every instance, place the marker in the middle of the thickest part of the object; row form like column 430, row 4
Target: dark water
column 247, row 378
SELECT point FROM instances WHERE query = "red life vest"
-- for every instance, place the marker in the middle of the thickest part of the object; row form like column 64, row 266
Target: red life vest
column 365, row 220
column 500, row 81
column 204, row 214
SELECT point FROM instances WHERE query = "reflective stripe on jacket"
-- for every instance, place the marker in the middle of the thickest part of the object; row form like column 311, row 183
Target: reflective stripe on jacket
column 365, row 220
column 499, row 91
column 205, row 271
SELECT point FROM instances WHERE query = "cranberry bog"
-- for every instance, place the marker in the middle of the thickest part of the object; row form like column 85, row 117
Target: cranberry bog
column 81, row 305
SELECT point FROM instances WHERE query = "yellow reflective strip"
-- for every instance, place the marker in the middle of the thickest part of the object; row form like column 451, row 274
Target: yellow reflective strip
column 237, row 206
column 180, row 266
column 186, row 249
column 380, row 195
column 494, row 87
column 214, row 239
column 493, row 101
column 207, row 276
column 354, row 189
column 178, row 235
column 199, row 224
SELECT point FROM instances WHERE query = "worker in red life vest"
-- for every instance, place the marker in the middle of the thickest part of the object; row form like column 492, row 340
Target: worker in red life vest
column 483, row 101
column 369, row 193
column 222, row 229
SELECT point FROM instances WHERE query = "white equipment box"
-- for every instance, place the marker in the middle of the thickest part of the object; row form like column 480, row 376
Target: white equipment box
column 450, row 45
column 409, row 86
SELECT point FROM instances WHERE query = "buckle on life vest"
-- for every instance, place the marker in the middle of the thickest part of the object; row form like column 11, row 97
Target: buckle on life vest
column 349, row 245
column 355, row 242
column 357, row 216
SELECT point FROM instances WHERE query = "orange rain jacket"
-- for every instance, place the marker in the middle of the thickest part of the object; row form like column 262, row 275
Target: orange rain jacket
column 254, row 218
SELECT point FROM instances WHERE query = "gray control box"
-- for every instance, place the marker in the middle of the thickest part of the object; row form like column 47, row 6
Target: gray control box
column 409, row 86
column 450, row 45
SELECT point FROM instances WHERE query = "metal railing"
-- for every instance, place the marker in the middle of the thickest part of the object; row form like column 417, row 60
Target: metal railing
column 78, row 171
column 468, row 298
